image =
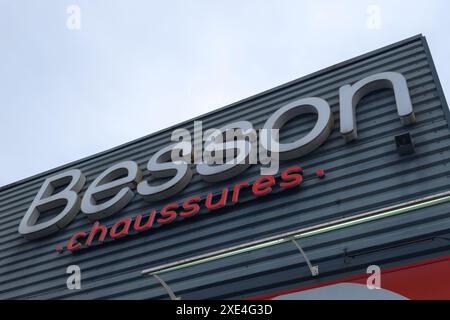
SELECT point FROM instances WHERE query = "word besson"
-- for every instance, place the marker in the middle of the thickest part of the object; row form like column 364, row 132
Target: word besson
column 289, row 178
column 112, row 190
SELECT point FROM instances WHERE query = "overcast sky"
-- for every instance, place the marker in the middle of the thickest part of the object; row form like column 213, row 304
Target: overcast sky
column 134, row 67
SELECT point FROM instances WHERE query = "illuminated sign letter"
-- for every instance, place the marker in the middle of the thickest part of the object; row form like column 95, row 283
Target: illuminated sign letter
column 47, row 200
column 244, row 145
column 160, row 166
column 114, row 182
column 350, row 95
column 306, row 144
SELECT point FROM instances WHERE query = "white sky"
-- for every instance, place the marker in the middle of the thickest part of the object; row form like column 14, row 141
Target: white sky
column 137, row 66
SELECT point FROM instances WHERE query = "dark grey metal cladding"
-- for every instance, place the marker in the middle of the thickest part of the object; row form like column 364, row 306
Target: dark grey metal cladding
column 363, row 175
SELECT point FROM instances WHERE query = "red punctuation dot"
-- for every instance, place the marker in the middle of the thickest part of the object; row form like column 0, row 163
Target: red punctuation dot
column 320, row 173
column 59, row 249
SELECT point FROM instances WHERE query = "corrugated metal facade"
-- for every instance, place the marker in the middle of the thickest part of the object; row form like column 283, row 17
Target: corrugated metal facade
column 363, row 175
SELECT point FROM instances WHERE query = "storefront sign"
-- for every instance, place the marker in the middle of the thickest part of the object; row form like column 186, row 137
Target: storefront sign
column 229, row 196
column 119, row 183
